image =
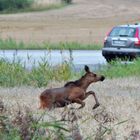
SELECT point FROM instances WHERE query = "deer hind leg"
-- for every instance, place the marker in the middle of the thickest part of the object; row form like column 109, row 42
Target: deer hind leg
column 45, row 103
column 96, row 100
column 79, row 101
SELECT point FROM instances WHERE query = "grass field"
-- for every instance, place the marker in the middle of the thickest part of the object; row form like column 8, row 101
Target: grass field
column 116, row 118
column 71, row 23
column 83, row 22
column 9, row 44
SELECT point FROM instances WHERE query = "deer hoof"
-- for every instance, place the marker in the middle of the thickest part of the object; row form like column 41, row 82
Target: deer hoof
column 95, row 106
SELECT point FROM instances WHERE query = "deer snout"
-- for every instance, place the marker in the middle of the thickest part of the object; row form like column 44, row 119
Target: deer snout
column 102, row 78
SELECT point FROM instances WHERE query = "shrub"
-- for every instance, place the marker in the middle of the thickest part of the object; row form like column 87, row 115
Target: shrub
column 67, row 1
column 10, row 5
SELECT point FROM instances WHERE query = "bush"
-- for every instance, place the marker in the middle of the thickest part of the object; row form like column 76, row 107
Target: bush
column 10, row 5
column 67, row 1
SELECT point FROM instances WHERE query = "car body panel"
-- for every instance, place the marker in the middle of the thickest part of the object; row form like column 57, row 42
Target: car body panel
column 122, row 41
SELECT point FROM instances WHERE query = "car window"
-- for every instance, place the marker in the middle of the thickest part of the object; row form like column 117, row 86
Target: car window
column 123, row 32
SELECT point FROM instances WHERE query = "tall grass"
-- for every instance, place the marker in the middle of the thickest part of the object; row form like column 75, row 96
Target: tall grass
column 16, row 124
column 14, row 74
column 14, row 5
column 22, row 123
column 12, row 44
column 118, row 69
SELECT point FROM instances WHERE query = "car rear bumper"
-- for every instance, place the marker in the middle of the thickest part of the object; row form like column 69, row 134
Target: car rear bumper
column 120, row 52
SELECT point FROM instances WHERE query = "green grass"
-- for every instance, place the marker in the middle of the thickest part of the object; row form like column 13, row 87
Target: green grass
column 14, row 5
column 17, row 6
column 9, row 44
column 117, row 69
column 34, row 9
column 14, row 74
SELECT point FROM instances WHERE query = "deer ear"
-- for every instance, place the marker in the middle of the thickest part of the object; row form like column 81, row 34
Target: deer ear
column 87, row 68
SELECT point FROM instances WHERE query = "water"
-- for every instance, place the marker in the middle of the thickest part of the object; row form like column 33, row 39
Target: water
column 78, row 58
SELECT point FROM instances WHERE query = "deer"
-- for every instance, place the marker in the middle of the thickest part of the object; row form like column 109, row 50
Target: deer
column 71, row 92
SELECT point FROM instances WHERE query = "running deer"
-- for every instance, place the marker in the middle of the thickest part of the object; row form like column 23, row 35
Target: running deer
column 72, row 92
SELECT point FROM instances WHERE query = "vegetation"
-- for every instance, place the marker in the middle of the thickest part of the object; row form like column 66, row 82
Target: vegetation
column 12, row 44
column 20, row 118
column 22, row 123
column 13, row 6
column 67, row 1
column 15, row 74
column 118, row 69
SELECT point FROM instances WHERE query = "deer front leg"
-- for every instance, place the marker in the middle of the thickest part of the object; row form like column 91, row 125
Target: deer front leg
column 79, row 101
column 96, row 100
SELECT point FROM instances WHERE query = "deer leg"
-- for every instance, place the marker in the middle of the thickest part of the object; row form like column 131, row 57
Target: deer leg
column 78, row 101
column 96, row 100
column 62, row 103
column 45, row 103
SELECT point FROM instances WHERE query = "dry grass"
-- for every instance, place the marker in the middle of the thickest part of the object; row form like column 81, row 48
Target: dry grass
column 71, row 23
column 116, row 118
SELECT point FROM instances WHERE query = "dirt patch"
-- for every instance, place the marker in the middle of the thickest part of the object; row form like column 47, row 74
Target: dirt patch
column 83, row 21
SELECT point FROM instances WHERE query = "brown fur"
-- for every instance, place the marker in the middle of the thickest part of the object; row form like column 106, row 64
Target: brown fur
column 72, row 92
